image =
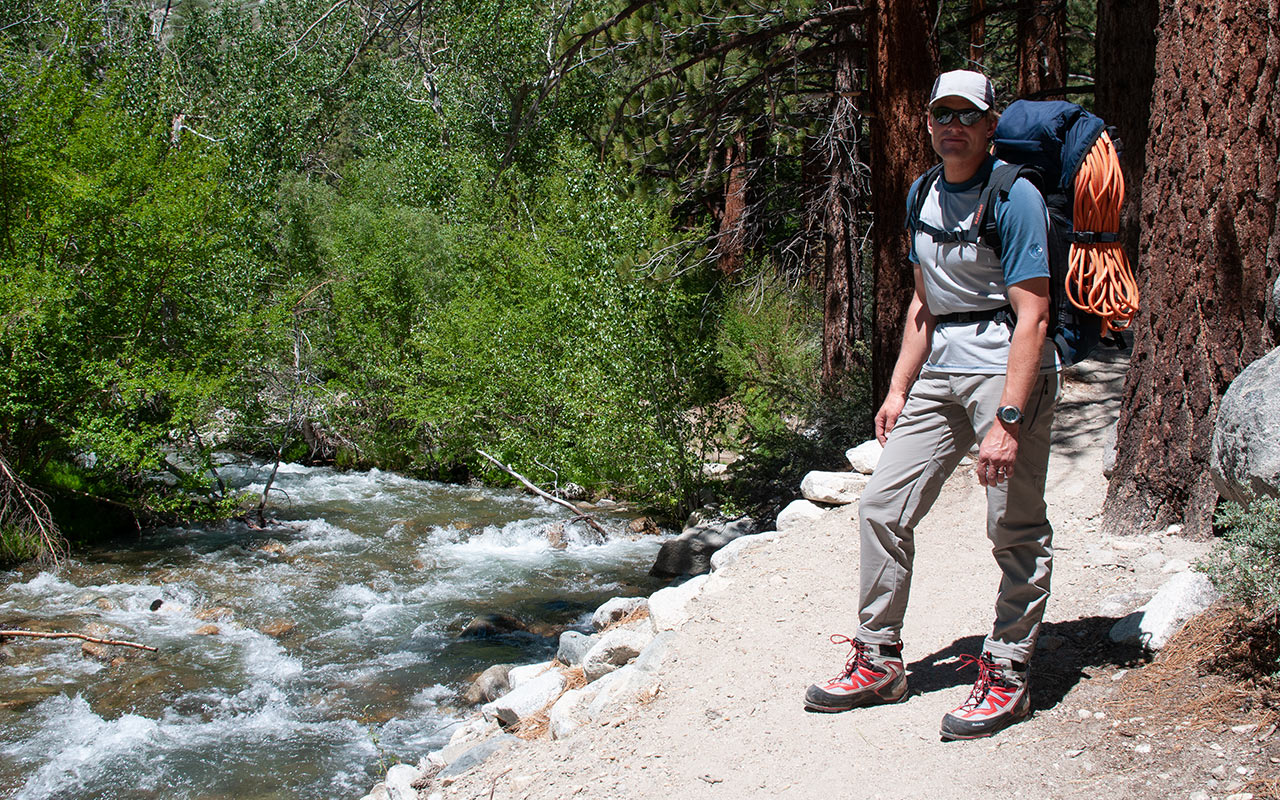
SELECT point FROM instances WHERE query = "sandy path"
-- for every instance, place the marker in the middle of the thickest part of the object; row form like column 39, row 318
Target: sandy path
column 728, row 721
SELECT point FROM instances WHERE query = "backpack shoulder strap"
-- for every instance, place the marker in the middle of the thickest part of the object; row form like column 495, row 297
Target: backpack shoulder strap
column 997, row 189
column 922, row 193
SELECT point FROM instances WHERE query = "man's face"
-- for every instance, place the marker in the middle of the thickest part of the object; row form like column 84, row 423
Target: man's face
column 955, row 140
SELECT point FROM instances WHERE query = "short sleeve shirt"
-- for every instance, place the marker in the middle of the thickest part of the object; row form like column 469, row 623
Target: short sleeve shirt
column 960, row 277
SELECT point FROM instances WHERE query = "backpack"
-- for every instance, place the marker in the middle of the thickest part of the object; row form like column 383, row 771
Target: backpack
column 1048, row 143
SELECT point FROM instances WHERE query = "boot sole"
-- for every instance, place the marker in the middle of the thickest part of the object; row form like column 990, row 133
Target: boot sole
column 873, row 700
column 956, row 736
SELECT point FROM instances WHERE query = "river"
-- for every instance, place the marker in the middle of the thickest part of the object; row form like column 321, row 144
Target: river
column 376, row 573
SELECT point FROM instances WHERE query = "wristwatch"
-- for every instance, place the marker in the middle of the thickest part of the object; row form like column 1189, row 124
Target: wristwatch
column 1009, row 415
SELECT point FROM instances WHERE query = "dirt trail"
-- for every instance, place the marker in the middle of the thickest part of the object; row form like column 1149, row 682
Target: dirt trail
column 728, row 721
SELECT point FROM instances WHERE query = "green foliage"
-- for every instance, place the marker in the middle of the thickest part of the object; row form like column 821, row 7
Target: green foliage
column 1245, row 562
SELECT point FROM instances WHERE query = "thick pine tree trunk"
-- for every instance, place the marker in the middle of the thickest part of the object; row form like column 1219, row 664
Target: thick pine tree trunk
column 731, row 236
column 1211, row 240
column 901, row 151
column 1042, row 55
column 842, row 323
column 1126, row 72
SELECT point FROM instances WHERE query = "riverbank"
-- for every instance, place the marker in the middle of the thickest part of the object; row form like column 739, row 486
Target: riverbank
column 726, row 720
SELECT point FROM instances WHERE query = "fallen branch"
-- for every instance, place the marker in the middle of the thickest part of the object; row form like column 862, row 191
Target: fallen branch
column 578, row 515
column 60, row 635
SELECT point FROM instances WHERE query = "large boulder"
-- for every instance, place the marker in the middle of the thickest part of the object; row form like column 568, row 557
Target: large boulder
column 797, row 514
column 1245, row 455
column 734, row 550
column 690, row 552
column 616, row 608
column 836, row 488
column 1181, row 598
column 530, row 698
column 616, row 648
column 573, row 646
column 863, row 458
column 489, row 686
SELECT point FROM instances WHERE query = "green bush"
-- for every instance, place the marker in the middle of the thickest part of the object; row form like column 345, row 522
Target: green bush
column 1245, row 562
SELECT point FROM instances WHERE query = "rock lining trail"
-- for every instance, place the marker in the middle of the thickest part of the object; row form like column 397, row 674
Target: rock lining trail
column 728, row 720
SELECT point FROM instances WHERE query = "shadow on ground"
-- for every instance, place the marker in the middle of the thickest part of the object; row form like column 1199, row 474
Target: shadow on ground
column 1078, row 647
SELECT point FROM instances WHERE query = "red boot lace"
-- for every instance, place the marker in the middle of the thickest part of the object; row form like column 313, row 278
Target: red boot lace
column 989, row 674
column 857, row 654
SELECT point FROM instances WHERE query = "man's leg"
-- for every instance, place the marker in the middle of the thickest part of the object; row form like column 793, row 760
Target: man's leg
column 1022, row 543
column 931, row 436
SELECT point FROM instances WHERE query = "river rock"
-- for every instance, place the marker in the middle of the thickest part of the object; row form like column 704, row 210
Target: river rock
column 864, row 457
column 487, row 625
column 530, row 698
column 519, row 676
column 690, row 552
column 573, row 646
column 616, row 608
column 399, row 782
column 489, row 686
column 837, row 488
column 1244, row 456
column 797, row 515
column 208, row 630
column 616, row 648
column 669, row 607
column 644, row 526
column 1181, row 598
column 98, row 652
column 279, row 628
column 637, row 681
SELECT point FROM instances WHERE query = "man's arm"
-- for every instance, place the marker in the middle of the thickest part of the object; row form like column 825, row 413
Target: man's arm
column 999, row 448
column 916, row 335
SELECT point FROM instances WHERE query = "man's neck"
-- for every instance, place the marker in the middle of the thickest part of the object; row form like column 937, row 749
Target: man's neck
column 959, row 172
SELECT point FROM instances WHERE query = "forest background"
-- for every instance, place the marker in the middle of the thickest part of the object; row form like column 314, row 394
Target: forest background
column 606, row 242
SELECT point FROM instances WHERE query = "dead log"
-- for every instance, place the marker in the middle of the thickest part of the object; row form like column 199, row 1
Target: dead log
column 577, row 514
column 63, row 635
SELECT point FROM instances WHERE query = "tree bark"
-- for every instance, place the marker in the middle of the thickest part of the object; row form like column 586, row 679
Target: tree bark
column 978, row 32
column 842, row 322
column 1211, row 239
column 731, row 235
column 1042, row 57
column 900, row 144
column 1125, row 74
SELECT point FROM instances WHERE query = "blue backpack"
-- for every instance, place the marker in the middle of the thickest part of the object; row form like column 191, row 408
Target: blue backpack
column 1045, row 142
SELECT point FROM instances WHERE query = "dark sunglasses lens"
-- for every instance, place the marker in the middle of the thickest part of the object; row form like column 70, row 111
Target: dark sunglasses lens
column 971, row 117
column 943, row 116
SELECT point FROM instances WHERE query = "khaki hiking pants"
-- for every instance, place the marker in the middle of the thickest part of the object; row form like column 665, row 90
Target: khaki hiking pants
column 944, row 416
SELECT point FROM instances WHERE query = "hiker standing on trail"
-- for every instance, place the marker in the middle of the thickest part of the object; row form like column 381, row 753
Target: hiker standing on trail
column 975, row 366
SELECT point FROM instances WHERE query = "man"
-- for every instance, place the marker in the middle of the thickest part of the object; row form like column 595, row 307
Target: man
column 975, row 366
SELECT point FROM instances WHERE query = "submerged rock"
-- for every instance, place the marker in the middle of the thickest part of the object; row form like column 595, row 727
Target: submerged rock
column 279, row 628
column 496, row 624
column 488, row 686
column 690, row 552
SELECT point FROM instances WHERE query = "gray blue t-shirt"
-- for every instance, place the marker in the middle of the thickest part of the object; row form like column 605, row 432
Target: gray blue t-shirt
column 959, row 276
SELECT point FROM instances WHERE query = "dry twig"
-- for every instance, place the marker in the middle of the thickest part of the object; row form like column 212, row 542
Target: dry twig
column 64, row 635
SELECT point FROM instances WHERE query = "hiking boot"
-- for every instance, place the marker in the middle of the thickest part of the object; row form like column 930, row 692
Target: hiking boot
column 873, row 674
column 1000, row 698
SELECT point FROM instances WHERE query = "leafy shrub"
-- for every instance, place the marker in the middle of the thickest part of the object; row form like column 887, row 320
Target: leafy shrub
column 1245, row 563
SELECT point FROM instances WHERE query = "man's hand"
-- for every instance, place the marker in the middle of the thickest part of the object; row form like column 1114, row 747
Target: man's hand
column 888, row 415
column 996, row 455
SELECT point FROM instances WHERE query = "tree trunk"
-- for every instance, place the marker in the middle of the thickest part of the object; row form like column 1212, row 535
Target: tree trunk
column 900, row 143
column 978, row 32
column 1212, row 242
column 731, row 236
column 1126, row 72
column 1042, row 58
column 842, row 323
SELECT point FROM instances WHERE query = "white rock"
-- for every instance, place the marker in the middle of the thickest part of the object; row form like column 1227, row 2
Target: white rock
column 530, row 698
column 732, row 551
column 615, row 609
column 615, row 649
column 400, row 779
column 864, row 457
column 1151, row 561
column 668, row 608
column 797, row 515
column 1181, row 598
column 838, row 488
column 378, row 792
column 518, row 676
column 569, row 712
column 1175, row 565
column 468, row 733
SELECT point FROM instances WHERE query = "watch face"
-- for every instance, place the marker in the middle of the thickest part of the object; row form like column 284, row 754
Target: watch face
column 1009, row 414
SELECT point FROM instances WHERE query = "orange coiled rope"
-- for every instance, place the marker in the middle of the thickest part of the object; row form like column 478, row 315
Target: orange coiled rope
column 1099, row 280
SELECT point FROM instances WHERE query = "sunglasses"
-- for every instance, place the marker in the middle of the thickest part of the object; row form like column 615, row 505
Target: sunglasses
column 969, row 117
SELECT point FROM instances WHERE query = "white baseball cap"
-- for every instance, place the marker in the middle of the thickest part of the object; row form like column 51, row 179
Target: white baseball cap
column 972, row 86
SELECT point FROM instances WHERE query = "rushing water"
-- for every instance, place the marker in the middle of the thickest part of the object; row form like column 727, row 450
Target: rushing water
column 376, row 572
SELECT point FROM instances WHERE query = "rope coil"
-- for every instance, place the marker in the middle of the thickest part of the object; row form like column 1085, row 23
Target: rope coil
column 1099, row 280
